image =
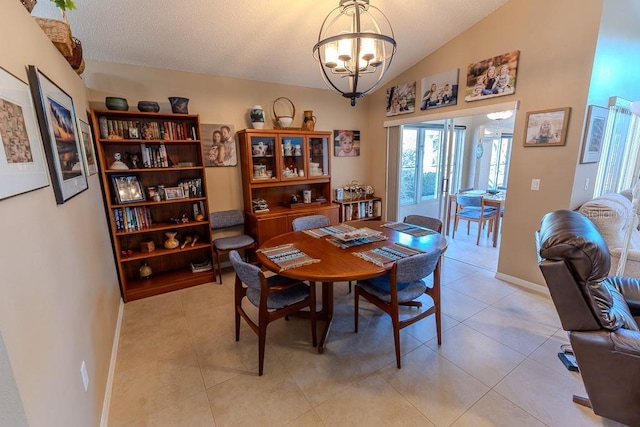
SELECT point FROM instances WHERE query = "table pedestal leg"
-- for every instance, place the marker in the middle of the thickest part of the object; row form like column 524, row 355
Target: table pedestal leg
column 326, row 313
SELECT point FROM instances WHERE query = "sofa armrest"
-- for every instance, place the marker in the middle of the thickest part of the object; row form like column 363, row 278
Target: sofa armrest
column 632, row 266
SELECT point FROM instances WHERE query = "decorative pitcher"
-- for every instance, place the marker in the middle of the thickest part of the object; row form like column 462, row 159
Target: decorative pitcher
column 309, row 121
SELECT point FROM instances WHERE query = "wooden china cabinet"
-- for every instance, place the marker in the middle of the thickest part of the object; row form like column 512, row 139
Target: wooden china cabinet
column 278, row 167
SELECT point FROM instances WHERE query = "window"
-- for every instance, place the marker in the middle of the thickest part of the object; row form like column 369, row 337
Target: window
column 500, row 154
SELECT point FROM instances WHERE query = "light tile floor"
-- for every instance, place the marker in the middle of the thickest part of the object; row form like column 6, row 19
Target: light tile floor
column 179, row 365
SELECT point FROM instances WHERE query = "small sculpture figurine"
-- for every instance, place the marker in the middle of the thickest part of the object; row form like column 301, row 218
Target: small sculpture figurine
column 294, row 198
column 145, row 271
column 118, row 164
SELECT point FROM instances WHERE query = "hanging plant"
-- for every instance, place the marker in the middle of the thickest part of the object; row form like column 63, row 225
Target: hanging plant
column 64, row 5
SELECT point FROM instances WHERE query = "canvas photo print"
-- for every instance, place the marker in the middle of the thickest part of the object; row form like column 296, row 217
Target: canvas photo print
column 492, row 77
column 440, row 90
column 219, row 145
column 346, row 143
column 401, row 99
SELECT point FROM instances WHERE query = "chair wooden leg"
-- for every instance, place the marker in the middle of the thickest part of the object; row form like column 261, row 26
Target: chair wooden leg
column 479, row 231
column 396, row 339
column 355, row 309
column 217, row 267
column 349, row 286
column 312, row 314
column 262, row 340
column 237, row 325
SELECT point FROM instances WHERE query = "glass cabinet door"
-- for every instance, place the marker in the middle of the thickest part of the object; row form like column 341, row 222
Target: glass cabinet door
column 293, row 149
column 319, row 152
column 263, row 155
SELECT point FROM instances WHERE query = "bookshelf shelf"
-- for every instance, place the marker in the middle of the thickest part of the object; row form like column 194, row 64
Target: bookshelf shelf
column 368, row 208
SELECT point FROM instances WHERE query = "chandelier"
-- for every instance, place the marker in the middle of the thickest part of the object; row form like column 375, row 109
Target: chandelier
column 354, row 48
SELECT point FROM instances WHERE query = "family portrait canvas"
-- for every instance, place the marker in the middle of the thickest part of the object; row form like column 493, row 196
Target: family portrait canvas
column 440, row 90
column 492, row 77
column 346, row 143
column 219, row 145
column 401, row 99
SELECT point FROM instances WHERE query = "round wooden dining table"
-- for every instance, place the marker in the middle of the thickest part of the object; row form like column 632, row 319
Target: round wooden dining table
column 336, row 264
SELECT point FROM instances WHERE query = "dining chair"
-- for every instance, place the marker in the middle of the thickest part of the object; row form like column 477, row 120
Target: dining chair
column 224, row 220
column 424, row 221
column 402, row 286
column 275, row 297
column 472, row 209
column 310, row 221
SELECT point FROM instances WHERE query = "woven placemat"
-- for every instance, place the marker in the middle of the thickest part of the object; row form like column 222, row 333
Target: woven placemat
column 387, row 254
column 357, row 242
column 287, row 256
column 411, row 229
column 330, row 230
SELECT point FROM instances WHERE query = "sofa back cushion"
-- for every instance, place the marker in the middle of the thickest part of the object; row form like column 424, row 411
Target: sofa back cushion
column 610, row 213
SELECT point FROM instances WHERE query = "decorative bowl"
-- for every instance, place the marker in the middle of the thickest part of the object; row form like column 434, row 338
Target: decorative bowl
column 148, row 106
column 179, row 105
column 115, row 103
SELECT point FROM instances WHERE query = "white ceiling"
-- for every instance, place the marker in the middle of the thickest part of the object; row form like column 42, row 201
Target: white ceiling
column 269, row 41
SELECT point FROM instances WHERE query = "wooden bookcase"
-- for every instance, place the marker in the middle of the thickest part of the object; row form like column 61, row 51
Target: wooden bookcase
column 159, row 150
column 365, row 208
column 279, row 163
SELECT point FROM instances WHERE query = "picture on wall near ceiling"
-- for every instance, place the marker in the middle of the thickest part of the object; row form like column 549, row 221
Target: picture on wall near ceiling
column 401, row 99
column 57, row 120
column 346, row 143
column 440, row 90
column 87, row 147
column 22, row 166
column 218, row 145
column 492, row 77
column 547, row 127
column 594, row 134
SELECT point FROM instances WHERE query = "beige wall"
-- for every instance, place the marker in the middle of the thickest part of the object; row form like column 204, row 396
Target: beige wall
column 222, row 100
column 59, row 293
column 556, row 41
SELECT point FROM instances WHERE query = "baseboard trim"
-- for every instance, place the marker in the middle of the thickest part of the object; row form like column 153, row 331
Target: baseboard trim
column 104, row 420
column 524, row 284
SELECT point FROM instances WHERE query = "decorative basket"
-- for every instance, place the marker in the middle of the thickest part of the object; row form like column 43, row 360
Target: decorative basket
column 75, row 59
column 59, row 32
column 80, row 69
column 29, row 4
column 283, row 121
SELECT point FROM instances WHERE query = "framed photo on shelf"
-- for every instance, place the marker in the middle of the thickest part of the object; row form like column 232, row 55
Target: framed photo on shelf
column 546, row 127
column 594, row 134
column 191, row 187
column 57, row 120
column 88, row 152
column 127, row 189
column 22, row 164
column 172, row 193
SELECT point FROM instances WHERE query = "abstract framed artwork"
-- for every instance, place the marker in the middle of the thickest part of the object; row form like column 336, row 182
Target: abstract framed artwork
column 22, row 164
column 492, row 77
column 547, row 127
column 401, row 99
column 440, row 90
column 57, row 120
column 594, row 134
column 88, row 153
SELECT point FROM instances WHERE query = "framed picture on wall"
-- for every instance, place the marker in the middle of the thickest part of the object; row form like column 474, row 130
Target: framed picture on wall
column 346, row 143
column 440, row 90
column 492, row 77
column 218, row 145
column 546, row 127
column 22, row 165
column 57, row 120
column 594, row 134
column 87, row 147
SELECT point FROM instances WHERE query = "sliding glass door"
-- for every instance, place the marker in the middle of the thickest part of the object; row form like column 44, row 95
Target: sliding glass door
column 429, row 166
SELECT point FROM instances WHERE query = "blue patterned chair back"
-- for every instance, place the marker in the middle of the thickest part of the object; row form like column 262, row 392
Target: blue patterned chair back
column 417, row 267
column 468, row 201
column 224, row 219
column 309, row 222
column 424, row 221
column 249, row 274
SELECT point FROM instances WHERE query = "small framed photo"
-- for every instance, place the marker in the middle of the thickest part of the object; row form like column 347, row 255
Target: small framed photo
column 594, row 134
column 547, row 127
column 127, row 189
column 133, row 133
column 174, row 193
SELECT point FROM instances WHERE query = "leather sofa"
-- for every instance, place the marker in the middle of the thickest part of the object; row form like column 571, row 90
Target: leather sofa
column 599, row 311
column 611, row 213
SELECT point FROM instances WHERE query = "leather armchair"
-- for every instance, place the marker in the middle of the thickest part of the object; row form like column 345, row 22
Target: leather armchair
column 600, row 312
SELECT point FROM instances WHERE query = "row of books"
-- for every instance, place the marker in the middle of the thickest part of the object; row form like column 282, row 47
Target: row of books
column 154, row 156
column 134, row 129
column 132, row 219
column 364, row 209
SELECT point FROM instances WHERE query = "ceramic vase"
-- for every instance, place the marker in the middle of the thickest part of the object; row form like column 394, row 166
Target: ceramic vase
column 171, row 241
column 179, row 105
column 257, row 117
